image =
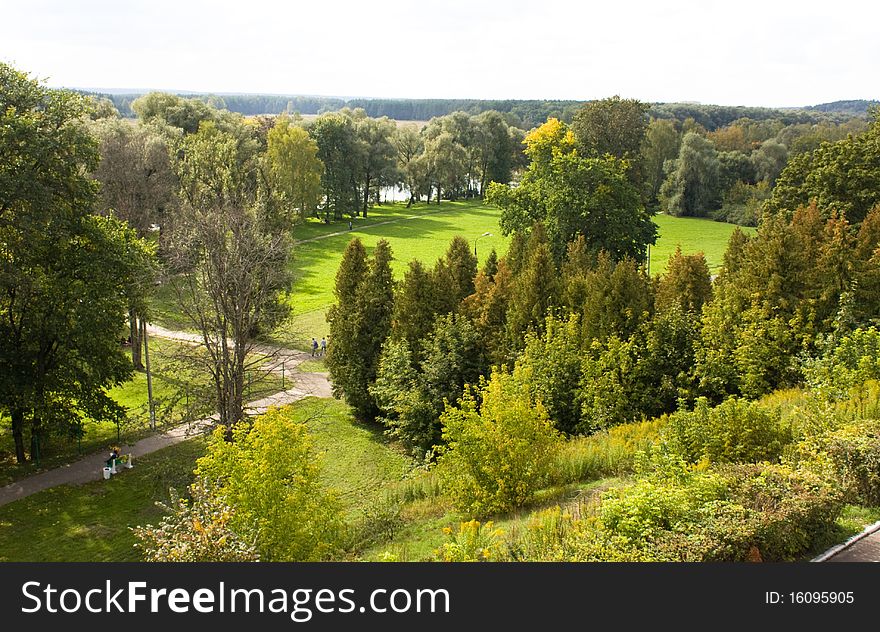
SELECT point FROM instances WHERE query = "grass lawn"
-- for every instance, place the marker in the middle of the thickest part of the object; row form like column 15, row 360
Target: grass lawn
column 424, row 232
column 90, row 523
column 692, row 234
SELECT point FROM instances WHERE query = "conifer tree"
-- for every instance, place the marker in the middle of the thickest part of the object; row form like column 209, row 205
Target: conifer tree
column 415, row 308
column 687, row 283
column 454, row 275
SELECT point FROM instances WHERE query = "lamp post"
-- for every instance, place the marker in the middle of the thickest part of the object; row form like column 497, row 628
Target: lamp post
column 487, row 234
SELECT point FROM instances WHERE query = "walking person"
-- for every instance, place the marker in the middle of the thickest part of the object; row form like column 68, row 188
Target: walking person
column 323, row 346
column 314, row 347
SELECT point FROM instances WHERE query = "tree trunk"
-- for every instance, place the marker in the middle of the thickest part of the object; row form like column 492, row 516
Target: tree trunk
column 135, row 341
column 18, row 434
column 366, row 194
column 439, row 196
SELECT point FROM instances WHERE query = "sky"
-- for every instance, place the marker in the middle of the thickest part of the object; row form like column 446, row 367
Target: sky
column 738, row 52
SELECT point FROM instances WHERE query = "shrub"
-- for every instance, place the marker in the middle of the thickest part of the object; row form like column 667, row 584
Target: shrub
column 496, row 456
column 269, row 474
column 473, row 542
column 850, row 455
column 735, row 431
column 196, row 530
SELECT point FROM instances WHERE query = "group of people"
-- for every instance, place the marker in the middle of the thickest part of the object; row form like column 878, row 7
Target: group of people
column 323, row 348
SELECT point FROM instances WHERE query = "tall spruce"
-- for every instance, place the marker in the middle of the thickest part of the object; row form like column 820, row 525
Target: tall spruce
column 359, row 328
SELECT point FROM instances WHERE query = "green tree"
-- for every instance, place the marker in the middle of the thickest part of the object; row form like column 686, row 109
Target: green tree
column 378, row 156
column 573, row 195
column 416, row 305
column 67, row 276
column 499, row 453
column 295, row 167
column 340, row 153
column 358, row 330
column 173, row 110
column 612, row 126
column 842, row 176
column 535, row 290
column 454, row 275
column 687, row 283
column 693, row 186
column 662, row 142
column 228, row 255
column 282, row 503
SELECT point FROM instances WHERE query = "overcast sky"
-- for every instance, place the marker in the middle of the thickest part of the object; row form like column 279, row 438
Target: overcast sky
column 738, row 52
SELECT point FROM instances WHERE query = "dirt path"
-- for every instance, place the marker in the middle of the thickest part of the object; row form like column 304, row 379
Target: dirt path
column 90, row 468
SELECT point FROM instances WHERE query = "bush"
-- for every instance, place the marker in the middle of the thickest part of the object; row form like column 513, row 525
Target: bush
column 269, row 474
column 850, row 455
column 736, row 431
column 496, row 456
column 473, row 542
column 196, row 530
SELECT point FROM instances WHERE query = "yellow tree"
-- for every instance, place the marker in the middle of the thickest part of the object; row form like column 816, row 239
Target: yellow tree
column 295, row 167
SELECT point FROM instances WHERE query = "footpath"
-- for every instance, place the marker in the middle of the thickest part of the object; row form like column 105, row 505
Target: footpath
column 90, row 468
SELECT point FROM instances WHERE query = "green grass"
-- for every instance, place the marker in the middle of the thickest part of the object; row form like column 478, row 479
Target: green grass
column 312, row 366
column 91, row 523
column 424, row 232
column 692, row 234
column 357, row 461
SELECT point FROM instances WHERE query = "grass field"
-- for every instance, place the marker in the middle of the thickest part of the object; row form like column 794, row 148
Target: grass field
column 427, row 236
column 692, row 234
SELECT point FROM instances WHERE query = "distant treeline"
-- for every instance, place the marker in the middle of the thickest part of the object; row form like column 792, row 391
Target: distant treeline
column 525, row 114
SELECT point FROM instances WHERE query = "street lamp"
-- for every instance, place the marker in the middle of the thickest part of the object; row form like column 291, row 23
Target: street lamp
column 487, row 234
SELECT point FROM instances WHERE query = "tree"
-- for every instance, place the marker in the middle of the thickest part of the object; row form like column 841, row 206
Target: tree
column 281, row 505
column 340, row 154
column 611, row 126
column 228, row 255
column 495, row 149
column 416, row 305
column 770, row 159
column 139, row 186
column 378, row 156
column 535, row 290
column 573, row 195
column 358, row 329
column 176, row 111
column 454, row 275
column 687, row 283
column 662, row 142
column 693, row 185
column 448, row 164
column 499, row 453
column 409, row 145
column 295, row 167
column 842, row 176
column 66, row 275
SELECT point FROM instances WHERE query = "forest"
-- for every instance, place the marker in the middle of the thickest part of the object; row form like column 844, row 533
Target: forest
column 693, row 416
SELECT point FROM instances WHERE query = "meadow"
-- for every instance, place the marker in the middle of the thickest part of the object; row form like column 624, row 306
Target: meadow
column 424, row 232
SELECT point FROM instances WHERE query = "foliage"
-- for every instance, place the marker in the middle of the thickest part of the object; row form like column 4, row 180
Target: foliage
column 360, row 322
column 269, row 475
column 295, row 167
column 549, row 369
column 496, row 455
column 686, row 284
column 195, row 530
column 692, row 187
column 67, row 277
column 735, row 431
column 843, row 176
column 575, row 195
column 473, row 542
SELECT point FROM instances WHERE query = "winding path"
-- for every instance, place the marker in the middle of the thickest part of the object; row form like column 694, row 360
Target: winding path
column 89, row 468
